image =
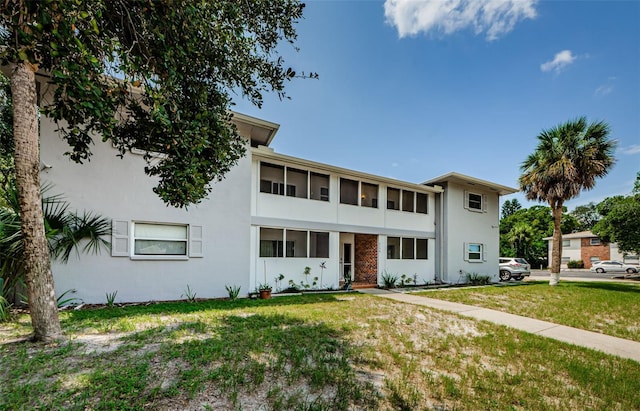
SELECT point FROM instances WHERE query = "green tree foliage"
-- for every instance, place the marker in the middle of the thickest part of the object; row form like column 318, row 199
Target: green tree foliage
column 587, row 216
column 157, row 75
column 509, row 207
column 620, row 221
column 567, row 160
column 66, row 232
column 522, row 233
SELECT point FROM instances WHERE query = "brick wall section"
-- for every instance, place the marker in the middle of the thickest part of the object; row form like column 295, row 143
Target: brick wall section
column 366, row 259
column 587, row 251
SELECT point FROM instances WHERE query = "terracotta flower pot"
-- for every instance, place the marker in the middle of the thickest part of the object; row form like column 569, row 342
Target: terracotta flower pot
column 265, row 294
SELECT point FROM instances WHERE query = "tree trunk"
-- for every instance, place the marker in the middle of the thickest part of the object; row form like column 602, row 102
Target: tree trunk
column 556, row 251
column 37, row 264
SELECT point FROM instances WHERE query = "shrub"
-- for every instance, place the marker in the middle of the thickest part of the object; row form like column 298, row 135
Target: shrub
column 477, row 279
column 575, row 264
column 389, row 280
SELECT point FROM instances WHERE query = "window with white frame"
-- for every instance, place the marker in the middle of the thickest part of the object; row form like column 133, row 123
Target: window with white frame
column 151, row 239
column 474, row 252
column 393, row 198
column 475, row 201
column 566, row 243
column 407, row 248
column 271, row 242
column 319, row 186
column 271, row 179
column 297, row 182
column 407, row 200
column 422, row 249
column 287, row 243
column 565, row 260
column 369, row 195
column 594, row 241
column 393, row 248
column 594, row 259
column 143, row 240
column 348, row 191
column 293, row 182
column 318, row 244
column 422, row 203
column 296, row 243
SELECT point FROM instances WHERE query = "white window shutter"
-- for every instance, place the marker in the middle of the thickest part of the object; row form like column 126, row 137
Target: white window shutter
column 465, row 199
column 120, row 238
column 195, row 241
column 465, row 252
column 484, row 253
column 484, row 203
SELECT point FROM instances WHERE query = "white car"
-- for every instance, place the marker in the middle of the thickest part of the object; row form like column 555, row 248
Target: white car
column 608, row 266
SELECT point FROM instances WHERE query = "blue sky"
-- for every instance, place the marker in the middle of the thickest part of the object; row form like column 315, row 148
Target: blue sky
column 415, row 89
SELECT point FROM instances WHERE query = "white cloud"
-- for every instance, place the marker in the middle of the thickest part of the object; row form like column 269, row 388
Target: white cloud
column 605, row 88
column 493, row 17
column 560, row 61
column 632, row 149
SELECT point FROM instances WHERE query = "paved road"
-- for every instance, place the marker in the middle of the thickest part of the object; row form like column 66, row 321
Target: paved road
column 586, row 274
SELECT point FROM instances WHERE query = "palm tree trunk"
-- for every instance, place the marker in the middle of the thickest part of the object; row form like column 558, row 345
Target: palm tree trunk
column 556, row 251
column 40, row 288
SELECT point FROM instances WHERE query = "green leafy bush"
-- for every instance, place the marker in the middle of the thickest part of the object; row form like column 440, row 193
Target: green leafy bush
column 389, row 280
column 575, row 264
column 477, row 279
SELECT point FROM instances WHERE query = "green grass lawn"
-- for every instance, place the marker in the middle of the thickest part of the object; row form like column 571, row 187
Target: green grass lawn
column 312, row 352
column 605, row 307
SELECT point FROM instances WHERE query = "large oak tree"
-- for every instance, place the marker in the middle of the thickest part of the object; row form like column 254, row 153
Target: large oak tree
column 155, row 74
column 567, row 160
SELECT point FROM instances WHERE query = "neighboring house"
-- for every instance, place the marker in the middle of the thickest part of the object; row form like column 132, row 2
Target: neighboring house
column 272, row 214
column 588, row 248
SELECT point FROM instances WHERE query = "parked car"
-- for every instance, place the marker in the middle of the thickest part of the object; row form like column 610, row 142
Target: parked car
column 513, row 267
column 608, row 266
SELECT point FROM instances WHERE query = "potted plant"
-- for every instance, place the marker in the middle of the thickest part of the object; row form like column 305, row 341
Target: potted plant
column 264, row 290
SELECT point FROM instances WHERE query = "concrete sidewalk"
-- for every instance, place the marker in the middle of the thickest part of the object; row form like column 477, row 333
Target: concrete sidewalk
column 601, row 342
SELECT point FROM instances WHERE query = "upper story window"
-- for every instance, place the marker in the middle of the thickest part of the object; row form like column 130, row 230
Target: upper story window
column 594, row 241
column 297, row 182
column 475, row 202
column 566, row 243
column 407, row 200
column 422, row 203
column 369, row 195
column 348, row 191
column 271, row 179
column 293, row 182
column 393, row 199
column 319, row 186
column 355, row 192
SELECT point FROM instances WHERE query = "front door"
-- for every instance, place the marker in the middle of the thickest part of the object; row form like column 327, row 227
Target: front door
column 347, row 265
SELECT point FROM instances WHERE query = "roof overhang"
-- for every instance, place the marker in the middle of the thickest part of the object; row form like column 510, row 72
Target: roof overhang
column 260, row 132
column 465, row 180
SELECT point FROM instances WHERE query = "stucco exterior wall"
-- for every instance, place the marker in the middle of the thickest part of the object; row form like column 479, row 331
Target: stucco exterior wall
column 118, row 189
column 463, row 226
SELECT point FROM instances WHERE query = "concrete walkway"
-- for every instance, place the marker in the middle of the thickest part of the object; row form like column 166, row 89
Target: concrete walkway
column 601, row 342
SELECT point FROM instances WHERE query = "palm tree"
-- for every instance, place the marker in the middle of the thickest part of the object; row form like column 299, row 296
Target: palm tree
column 568, row 159
column 521, row 237
column 65, row 232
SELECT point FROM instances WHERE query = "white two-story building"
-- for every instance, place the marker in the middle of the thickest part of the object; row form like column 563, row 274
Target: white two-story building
column 273, row 214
